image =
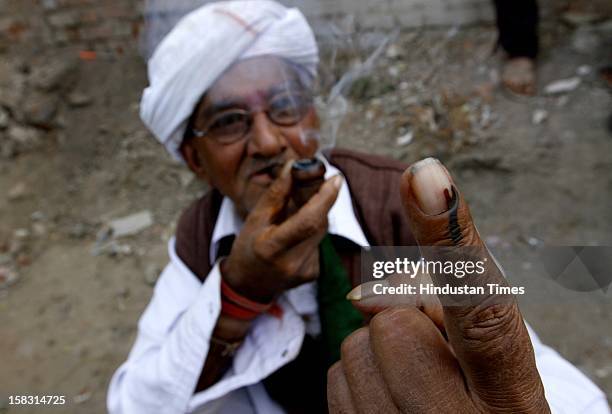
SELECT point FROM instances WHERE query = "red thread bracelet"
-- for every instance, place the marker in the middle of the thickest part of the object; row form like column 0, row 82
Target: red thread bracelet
column 237, row 306
column 240, row 300
column 237, row 312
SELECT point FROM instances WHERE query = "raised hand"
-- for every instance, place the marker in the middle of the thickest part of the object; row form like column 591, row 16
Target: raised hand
column 480, row 361
column 268, row 256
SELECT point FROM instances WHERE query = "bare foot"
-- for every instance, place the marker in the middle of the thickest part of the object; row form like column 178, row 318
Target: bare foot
column 519, row 76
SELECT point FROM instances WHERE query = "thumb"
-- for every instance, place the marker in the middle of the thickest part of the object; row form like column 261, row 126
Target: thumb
column 487, row 331
column 435, row 208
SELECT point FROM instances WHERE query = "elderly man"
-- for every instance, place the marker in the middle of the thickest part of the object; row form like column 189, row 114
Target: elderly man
column 250, row 313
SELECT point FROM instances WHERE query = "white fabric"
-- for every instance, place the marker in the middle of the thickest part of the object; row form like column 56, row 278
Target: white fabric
column 204, row 44
column 568, row 390
column 164, row 364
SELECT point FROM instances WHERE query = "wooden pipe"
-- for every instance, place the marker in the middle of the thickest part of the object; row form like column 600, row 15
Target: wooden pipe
column 308, row 175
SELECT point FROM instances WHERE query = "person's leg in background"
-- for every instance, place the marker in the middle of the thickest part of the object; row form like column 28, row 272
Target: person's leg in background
column 517, row 22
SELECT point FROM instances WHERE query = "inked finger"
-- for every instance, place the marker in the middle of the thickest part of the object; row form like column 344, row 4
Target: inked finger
column 485, row 328
column 437, row 210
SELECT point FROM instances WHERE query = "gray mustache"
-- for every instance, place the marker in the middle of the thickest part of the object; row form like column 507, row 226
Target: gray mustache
column 274, row 165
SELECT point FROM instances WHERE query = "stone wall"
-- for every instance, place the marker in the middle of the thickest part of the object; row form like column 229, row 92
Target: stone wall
column 111, row 26
column 108, row 25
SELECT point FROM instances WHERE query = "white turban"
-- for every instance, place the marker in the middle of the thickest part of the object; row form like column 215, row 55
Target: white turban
column 204, row 44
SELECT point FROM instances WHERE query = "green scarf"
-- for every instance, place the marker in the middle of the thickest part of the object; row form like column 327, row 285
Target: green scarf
column 338, row 316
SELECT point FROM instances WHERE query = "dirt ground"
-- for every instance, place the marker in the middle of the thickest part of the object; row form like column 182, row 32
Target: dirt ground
column 70, row 318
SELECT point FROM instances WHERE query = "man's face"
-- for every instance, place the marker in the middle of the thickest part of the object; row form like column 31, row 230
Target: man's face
column 265, row 92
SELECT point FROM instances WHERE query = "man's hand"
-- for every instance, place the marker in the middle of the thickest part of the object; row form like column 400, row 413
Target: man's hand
column 268, row 257
column 402, row 362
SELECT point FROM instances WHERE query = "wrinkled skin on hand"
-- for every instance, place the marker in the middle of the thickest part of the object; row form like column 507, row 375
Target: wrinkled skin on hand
column 269, row 257
column 480, row 361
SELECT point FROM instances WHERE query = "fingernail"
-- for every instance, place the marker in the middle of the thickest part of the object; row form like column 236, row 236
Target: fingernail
column 429, row 183
column 354, row 294
column 337, row 181
column 287, row 168
column 365, row 290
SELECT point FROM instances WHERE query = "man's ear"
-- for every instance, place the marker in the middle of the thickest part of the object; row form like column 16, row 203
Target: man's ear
column 192, row 158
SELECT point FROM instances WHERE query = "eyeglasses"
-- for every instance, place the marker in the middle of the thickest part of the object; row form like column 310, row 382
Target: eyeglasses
column 229, row 126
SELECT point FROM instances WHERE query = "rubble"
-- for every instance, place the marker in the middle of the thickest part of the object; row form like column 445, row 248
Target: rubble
column 488, row 162
column 185, row 178
column 77, row 231
column 425, row 117
column 539, row 116
column 39, row 229
column 21, row 233
column 132, row 224
column 18, row 191
column 39, row 109
column 580, row 18
column 78, row 99
column 23, row 260
column 584, row 70
column 585, row 41
column 603, row 372
column 56, row 73
column 486, row 117
column 8, row 277
column 17, row 246
column 562, row 86
column 394, row 51
column 12, row 84
column 492, row 241
column 151, row 274
column 4, row 118
column 83, row 396
column 604, row 27
column 38, row 216
column 49, row 4
column 531, row 240
column 485, row 91
column 562, row 100
column 106, row 242
column 24, row 138
column 394, row 71
column 112, row 248
column 5, row 259
column 8, row 148
column 88, row 55
column 405, row 139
